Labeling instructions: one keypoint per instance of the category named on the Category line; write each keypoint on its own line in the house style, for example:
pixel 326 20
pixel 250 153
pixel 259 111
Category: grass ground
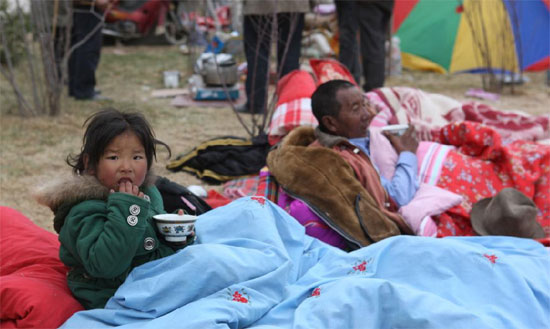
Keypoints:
pixel 33 150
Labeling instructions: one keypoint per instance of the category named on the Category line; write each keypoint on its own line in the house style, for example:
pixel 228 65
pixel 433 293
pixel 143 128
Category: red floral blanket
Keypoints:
pixel 482 165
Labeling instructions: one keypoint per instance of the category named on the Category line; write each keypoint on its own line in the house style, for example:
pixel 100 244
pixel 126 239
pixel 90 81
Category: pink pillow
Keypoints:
pixel 34 291
pixel 429 200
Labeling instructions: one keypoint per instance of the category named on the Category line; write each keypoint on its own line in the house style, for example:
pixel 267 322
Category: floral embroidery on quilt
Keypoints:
pixel 487 259
pixel 316 292
pixel 360 266
pixel 239 296
pixel 259 199
pixel 491 258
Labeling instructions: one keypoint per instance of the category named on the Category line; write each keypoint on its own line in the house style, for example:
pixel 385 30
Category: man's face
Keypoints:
pixel 355 114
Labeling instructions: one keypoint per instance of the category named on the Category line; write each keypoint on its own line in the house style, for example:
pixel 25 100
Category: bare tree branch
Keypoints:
pixel 30 57
pixel 294 17
pixel 47 82
pixel 24 107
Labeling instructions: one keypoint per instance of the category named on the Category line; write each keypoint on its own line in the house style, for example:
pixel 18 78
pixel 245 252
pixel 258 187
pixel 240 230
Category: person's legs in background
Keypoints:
pixel 287 22
pixel 256 33
pixel 374 18
pixel 85 58
pixel 347 27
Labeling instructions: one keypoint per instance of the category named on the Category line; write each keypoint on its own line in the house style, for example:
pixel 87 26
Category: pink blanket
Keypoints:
pixel 430 112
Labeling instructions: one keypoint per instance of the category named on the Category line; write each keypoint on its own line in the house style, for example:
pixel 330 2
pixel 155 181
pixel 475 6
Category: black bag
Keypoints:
pixel 224 158
pixel 176 196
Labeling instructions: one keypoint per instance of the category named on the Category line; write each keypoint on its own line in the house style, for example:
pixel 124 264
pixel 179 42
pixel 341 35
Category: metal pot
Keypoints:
pixel 225 73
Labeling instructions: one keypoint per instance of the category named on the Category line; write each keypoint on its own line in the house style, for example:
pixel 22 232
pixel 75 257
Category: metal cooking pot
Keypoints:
pixel 226 71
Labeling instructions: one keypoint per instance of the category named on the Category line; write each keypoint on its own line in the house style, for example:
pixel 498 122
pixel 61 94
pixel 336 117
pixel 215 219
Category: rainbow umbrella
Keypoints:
pixel 474 35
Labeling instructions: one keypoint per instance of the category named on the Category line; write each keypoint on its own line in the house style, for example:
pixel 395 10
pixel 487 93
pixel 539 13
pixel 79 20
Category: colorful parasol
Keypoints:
pixel 474 35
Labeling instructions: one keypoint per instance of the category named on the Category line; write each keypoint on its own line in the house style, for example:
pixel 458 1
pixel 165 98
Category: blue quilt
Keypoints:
pixel 253 266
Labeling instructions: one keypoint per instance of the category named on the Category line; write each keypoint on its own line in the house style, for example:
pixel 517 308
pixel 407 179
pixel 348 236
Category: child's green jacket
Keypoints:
pixel 104 236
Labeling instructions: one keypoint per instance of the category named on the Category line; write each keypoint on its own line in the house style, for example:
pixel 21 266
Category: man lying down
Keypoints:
pixel 345 186
pixel 332 186
pixel 252 265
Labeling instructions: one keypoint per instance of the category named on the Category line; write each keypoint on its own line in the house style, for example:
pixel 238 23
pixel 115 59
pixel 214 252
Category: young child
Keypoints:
pixel 104 212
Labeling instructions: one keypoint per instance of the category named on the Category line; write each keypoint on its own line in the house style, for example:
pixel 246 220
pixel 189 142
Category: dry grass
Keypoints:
pixel 33 150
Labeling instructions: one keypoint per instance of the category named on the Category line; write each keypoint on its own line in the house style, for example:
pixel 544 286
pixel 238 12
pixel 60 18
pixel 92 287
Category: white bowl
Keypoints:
pixel 174 227
pixel 397 130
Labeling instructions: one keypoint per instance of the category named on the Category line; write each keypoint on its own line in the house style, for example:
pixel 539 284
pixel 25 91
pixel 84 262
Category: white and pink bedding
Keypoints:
pixel 429 112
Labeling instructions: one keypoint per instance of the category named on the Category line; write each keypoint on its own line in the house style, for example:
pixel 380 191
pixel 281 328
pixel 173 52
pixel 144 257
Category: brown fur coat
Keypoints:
pixel 320 177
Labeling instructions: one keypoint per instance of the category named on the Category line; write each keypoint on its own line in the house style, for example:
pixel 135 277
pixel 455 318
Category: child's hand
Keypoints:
pixel 129 188
pixel 180 212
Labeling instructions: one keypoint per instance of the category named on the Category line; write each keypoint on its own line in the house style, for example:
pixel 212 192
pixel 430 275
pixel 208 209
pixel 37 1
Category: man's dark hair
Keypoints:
pixel 324 102
pixel 102 127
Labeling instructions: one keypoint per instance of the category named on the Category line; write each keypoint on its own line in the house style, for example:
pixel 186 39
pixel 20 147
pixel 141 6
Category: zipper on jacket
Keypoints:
pixel 325 219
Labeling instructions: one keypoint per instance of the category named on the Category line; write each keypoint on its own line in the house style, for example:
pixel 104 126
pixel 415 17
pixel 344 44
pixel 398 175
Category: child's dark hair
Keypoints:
pixel 103 127
pixel 324 102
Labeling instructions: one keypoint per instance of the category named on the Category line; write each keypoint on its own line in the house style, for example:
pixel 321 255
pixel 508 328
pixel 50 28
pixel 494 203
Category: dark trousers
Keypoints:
pixel 85 58
pixel 257 46
pixel 371 19
pixel 59 47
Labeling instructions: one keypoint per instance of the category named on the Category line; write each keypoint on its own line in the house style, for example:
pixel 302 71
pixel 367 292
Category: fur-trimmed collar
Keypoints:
pixel 75 188
pixel 329 140
pixel 304 136
pixel 63 193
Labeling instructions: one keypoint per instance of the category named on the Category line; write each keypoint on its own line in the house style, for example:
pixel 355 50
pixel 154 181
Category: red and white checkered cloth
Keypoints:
pixel 260 185
pixel 288 116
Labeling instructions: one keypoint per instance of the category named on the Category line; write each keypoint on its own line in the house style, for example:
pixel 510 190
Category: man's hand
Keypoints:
pixel 406 142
